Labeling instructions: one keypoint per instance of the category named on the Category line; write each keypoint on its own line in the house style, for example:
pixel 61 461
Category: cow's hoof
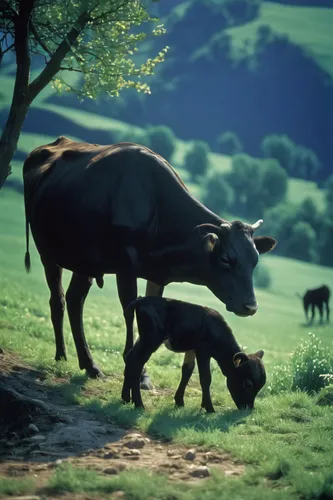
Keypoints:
pixel 61 356
pixel 145 383
pixel 94 372
pixel 179 403
pixel 139 406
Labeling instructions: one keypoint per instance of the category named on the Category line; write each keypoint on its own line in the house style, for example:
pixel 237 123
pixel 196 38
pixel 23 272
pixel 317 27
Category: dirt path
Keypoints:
pixel 34 438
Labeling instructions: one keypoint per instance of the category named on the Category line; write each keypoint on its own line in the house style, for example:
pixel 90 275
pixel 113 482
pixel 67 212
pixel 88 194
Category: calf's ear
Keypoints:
pixel 259 354
pixel 264 244
pixel 239 358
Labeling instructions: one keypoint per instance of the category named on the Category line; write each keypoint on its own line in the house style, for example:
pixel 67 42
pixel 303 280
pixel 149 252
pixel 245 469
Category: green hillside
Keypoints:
pixel 308 27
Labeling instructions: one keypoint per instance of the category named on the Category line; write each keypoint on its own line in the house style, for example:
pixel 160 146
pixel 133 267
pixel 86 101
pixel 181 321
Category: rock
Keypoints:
pixel 190 455
pixel 201 471
pixel 58 462
pixel 33 428
pixel 135 443
pixel 26 497
pixel 132 453
pixel 133 435
pixel 109 454
pixel 115 469
pixel 110 470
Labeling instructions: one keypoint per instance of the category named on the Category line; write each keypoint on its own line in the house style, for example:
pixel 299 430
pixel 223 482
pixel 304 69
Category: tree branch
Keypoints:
pixel 54 63
pixel 39 40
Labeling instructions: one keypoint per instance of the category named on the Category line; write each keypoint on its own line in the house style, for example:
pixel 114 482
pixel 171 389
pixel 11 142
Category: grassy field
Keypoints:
pixel 285 444
pixel 308 27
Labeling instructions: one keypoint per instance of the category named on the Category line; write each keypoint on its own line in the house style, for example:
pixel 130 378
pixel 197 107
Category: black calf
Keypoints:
pixel 202 333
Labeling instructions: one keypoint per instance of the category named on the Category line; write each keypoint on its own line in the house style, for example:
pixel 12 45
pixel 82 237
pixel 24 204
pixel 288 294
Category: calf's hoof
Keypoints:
pixel 145 383
pixel 94 372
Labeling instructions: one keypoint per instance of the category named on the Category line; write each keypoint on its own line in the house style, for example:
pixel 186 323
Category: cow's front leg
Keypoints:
pixel 75 296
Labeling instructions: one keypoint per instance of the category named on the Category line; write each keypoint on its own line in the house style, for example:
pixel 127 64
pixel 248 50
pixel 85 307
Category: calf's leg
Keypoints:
pixel 53 274
pixel 135 360
pixel 203 360
pixel 75 297
pixel 187 370
pixel 312 314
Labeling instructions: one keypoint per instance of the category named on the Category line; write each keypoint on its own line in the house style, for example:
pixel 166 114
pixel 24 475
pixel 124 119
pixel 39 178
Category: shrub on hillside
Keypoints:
pixel 196 160
pixel 162 141
pixel 219 195
pixel 274 182
pixel 280 147
pixel 302 242
pixel 132 135
pixel 229 143
pixel 304 372
pixel 305 163
pixel 262 277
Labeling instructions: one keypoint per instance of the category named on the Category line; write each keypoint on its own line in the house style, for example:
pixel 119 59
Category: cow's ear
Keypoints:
pixel 259 354
pixel 210 241
pixel 239 358
pixel 208 235
pixel 264 244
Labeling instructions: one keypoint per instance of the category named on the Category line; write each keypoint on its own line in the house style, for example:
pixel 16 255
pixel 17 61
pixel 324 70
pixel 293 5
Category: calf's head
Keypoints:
pixel 246 379
pixel 226 260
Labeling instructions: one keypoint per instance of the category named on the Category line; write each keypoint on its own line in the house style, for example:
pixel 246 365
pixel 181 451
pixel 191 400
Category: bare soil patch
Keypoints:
pixel 41 432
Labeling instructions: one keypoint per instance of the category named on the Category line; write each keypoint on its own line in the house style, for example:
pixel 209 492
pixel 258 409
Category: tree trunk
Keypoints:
pixel 20 102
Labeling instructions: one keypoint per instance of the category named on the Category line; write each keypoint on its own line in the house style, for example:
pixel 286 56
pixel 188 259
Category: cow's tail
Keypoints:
pixel 27 260
pixel 132 306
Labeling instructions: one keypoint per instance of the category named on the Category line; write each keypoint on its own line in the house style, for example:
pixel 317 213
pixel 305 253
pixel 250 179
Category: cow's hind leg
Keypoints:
pixel 327 311
pixel 75 297
pixel 187 370
pixel 53 274
pixel 320 308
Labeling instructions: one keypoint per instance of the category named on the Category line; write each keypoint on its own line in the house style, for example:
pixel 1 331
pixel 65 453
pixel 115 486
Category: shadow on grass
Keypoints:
pixel 315 324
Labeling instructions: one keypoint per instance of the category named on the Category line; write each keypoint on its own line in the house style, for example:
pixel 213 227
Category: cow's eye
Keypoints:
pixel 248 384
pixel 224 262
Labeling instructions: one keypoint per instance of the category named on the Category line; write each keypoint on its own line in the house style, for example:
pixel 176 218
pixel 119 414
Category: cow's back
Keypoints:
pixel 87 198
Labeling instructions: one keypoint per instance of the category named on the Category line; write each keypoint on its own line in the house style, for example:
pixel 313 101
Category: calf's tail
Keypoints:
pixel 132 306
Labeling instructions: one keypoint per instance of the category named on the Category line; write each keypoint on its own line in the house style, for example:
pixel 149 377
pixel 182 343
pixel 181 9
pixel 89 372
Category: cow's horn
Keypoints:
pixel 225 224
pixel 257 224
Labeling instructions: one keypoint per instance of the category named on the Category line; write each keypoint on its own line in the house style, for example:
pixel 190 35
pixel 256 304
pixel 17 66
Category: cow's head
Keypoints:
pixel 246 379
pixel 226 258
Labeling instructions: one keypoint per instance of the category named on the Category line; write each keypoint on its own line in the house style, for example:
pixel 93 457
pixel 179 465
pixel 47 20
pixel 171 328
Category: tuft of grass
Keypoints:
pixel 17 487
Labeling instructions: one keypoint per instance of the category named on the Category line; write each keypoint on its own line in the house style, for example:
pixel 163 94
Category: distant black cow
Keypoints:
pixel 202 333
pixel 317 297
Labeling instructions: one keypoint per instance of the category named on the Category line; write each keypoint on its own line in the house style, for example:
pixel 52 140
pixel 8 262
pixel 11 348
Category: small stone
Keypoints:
pixel 190 455
pixel 132 453
pixel 201 471
pixel 110 470
pixel 110 454
pixel 176 457
pixel 33 428
pixel 135 443
pixel 59 461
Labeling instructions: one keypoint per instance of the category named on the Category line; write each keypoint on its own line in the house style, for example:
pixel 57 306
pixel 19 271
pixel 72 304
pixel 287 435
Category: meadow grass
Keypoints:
pixel 308 27
pixel 285 442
